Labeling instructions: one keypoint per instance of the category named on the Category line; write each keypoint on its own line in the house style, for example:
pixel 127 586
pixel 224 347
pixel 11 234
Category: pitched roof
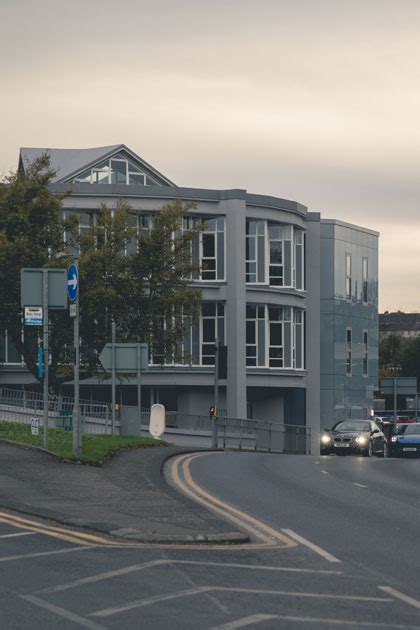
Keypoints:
pixel 69 162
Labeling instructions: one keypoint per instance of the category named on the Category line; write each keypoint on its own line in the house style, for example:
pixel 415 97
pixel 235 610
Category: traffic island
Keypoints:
pixel 126 497
pixel 95 448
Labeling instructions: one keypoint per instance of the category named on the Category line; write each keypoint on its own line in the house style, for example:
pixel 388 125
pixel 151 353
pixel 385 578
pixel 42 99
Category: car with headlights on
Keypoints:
pixel 361 437
pixel 406 441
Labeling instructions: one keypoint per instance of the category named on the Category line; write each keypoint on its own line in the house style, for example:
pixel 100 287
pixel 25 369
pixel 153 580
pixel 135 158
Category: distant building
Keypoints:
pixel 402 324
pixel 293 297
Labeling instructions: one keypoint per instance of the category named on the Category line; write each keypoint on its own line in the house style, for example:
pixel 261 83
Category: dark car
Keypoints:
pixel 362 437
pixel 406 441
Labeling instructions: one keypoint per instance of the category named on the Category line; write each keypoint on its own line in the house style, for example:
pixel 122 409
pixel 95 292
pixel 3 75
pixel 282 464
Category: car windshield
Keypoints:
pixel 352 426
pixel 409 429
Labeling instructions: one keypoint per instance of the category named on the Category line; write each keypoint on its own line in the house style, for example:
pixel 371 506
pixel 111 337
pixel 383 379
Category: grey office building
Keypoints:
pixel 293 297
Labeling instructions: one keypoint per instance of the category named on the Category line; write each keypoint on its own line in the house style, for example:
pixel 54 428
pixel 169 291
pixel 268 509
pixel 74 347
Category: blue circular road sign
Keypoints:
pixel 72 282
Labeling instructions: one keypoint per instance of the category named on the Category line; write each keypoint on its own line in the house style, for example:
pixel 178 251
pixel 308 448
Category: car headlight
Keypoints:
pixel 394 438
pixel 325 439
pixel 361 439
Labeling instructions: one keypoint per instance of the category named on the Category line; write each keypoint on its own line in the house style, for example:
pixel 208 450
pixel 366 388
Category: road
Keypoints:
pixel 336 544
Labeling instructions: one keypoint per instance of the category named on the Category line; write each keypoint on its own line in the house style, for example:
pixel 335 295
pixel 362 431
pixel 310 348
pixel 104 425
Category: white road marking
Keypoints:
pixel 325 472
pixel 257 591
pixel 139 603
pixel 18 534
pixel 24 556
pixel 62 612
pixel 359 485
pixel 104 576
pixel 303 541
pixel 401 596
pixel 245 621
pixel 339 622
pixel 147 565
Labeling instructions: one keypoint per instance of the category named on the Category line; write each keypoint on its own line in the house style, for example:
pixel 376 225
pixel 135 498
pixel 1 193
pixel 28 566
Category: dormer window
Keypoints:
pixel 116 170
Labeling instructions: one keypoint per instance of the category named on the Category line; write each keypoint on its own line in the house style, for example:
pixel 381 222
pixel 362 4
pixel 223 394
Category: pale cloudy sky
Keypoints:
pixel 313 100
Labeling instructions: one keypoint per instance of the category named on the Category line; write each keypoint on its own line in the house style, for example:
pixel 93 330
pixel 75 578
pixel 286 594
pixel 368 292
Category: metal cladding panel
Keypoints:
pixel 31 288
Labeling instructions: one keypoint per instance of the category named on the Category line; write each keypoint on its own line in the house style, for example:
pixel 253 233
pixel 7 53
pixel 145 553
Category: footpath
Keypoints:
pixel 127 497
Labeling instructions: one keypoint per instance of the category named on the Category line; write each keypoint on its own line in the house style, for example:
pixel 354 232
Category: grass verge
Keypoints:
pixel 94 447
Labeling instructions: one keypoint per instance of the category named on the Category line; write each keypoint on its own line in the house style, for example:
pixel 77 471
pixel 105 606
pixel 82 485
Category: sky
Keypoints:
pixel 312 100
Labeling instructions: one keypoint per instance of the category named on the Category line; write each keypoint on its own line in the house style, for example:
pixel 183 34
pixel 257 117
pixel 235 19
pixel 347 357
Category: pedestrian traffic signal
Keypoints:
pixel 212 411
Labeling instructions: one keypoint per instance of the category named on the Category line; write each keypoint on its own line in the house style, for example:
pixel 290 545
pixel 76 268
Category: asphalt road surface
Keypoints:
pixel 351 561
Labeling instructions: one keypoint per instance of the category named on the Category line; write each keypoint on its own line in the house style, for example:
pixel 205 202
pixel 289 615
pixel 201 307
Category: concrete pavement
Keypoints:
pixel 127 497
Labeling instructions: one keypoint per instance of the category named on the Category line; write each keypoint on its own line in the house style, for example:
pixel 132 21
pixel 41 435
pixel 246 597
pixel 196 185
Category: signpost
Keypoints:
pixel 126 358
pixel 46 287
pixel 73 293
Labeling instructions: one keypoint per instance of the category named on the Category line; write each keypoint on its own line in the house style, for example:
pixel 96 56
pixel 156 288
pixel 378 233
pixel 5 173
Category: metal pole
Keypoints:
pixel 46 351
pixel 417 404
pixel 395 403
pixel 139 383
pixel 77 434
pixel 113 341
pixel 214 439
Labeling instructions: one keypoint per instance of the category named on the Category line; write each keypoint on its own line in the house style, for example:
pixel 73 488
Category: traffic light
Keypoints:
pixel 212 411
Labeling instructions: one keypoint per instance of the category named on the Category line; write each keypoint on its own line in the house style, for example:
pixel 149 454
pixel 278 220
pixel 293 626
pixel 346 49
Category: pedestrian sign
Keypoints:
pixel 35 426
pixel 72 282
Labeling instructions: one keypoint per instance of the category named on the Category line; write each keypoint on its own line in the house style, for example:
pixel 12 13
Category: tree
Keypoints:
pixel 147 293
pixel 390 351
pixel 30 236
pixel 410 359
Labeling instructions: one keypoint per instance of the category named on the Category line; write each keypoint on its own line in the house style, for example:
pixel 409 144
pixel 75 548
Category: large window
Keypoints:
pixel 8 351
pixel 116 170
pixel 208 248
pixel 280 270
pixel 299 280
pixel 274 336
pixel 255 251
pixel 275 254
pixel 255 335
pixel 365 275
pixel 198 345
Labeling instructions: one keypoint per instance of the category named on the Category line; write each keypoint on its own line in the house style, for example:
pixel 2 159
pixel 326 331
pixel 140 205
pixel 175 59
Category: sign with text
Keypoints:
pixel 35 426
pixel 33 316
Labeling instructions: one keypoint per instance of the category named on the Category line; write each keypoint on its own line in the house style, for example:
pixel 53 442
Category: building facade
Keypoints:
pixel 349 321
pixel 264 267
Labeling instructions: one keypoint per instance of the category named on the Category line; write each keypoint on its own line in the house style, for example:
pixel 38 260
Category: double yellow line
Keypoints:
pixel 266 535
pixel 79 538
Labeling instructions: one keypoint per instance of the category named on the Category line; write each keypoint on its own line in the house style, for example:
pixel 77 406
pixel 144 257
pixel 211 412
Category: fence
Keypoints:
pixel 232 433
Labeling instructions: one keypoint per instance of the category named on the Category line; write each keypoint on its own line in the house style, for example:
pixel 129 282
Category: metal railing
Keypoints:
pixel 232 433
pixel 60 404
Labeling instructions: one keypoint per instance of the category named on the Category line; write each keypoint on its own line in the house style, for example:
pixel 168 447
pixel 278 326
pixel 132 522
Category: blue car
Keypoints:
pixel 406 441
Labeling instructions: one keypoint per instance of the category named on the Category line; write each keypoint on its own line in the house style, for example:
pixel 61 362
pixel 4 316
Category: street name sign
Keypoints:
pixel 31 287
pixel 33 316
pixel 126 357
pixel 72 282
